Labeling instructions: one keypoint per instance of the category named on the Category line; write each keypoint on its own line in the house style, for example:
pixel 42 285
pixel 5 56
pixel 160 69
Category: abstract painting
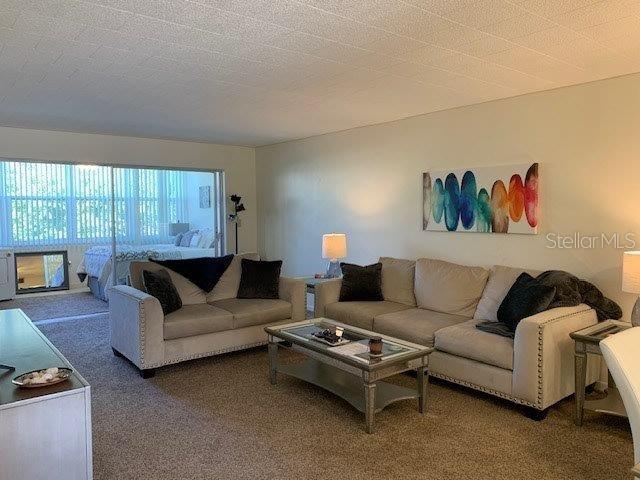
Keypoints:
pixel 502 199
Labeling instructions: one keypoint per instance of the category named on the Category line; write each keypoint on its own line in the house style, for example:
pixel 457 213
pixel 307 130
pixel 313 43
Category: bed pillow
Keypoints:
pixel 260 279
pixel 158 284
pixel 195 240
pixel 206 239
pixel 178 239
pixel 185 241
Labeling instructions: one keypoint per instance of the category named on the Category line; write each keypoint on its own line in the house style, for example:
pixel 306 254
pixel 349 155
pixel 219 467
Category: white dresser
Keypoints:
pixel 45 433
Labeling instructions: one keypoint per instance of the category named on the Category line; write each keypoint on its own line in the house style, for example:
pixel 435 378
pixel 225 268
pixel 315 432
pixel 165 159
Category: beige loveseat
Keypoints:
pixel 207 324
pixel 437 303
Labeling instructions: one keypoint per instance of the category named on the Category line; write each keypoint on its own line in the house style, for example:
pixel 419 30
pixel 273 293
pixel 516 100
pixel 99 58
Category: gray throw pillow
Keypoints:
pixel 159 284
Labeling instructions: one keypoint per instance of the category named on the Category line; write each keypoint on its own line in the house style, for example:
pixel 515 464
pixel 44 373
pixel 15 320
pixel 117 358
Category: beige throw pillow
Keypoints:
pixel 449 288
pixel 501 279
pixel 227 286
pixel 398 280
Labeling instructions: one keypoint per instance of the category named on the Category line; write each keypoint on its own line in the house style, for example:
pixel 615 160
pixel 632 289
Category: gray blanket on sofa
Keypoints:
pixel 572 291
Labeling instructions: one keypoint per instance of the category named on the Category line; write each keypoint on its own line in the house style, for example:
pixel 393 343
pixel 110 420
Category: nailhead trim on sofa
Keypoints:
pixel 481 388
pixel 538 403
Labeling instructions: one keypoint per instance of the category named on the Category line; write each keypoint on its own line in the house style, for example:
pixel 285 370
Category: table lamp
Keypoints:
pixel 631 281
pixel 177 228
pixel 334 247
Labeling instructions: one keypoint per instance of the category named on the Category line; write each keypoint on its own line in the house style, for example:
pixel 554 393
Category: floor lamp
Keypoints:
pixel 233 217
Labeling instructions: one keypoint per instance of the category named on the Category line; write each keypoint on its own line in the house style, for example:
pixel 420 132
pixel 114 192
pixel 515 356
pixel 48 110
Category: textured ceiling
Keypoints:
pixel 254 72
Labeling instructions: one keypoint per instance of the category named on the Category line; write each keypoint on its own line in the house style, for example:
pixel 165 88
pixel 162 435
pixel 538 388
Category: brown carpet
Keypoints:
pixel 219 418
pixel 57 306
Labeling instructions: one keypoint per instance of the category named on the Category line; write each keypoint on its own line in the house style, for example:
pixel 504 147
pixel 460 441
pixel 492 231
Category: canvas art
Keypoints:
pixel 501 199
pixel 205 197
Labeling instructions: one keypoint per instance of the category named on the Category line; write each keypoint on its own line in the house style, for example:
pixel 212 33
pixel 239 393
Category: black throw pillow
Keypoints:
pixel 526 297
pixel 204 272
pixel 158 284
pixel 260 279
pixel 361 283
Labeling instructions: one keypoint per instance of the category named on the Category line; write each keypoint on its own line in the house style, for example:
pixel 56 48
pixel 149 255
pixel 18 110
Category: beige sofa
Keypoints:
pixel 436 303
pixel 207 324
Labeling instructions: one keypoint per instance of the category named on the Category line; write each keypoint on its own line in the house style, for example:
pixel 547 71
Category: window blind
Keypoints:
pixel 55 204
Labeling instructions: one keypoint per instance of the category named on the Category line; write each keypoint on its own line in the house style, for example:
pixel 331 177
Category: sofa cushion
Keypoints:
pixel 361 314
pixel 398 280
pixel 501 279
pixel 199 319
pixel 449 288
pixel 465 340
pixel 227 286
pixel 415 324
pixel 189 293
pixel 255 311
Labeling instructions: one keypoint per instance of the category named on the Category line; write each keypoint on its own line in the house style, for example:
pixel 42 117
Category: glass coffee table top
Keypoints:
pixel 354 345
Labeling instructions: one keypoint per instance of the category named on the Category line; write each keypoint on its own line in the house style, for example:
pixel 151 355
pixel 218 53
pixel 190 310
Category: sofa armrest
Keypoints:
pixel 543 355
pixel 293 290
pixel 137 326
pixel 326 293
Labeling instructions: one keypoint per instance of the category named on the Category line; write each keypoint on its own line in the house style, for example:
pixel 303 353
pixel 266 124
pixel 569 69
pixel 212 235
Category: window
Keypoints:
pixel 53 204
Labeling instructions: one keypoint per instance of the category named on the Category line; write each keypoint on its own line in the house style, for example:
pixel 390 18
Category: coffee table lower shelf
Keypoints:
pixel 346 385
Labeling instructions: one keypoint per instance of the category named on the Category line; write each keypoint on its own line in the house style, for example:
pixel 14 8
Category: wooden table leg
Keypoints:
pixel 580 380
pixel 422 381
pixel 370 405
pixel 273 361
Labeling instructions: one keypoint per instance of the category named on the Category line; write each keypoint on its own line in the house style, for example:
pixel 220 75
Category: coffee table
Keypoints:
pixel 348 370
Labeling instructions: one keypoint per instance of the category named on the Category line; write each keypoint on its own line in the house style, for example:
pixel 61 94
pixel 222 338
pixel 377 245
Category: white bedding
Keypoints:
pixel 96 261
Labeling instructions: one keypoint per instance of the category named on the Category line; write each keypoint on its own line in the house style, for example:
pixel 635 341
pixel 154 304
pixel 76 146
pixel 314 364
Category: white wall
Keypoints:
pixel 237 162
pixel 367 182
pixel 197 217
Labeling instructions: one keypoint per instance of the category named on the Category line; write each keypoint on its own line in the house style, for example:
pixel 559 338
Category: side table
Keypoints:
pixel 587 341
pixel 311 285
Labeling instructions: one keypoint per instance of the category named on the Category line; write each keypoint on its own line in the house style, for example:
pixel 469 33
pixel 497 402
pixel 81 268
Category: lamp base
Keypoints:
pixel 635 314
pixel 333 269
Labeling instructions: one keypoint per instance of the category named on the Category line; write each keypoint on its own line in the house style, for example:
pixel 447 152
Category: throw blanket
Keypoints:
pixel 572 291
pixel 205 272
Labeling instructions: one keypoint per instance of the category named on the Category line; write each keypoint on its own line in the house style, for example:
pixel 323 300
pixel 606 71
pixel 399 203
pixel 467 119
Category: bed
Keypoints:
pixel 95 265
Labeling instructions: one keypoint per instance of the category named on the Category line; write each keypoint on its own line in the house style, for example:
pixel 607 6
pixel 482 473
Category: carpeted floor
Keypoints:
pixel 57 306
pixel 219 418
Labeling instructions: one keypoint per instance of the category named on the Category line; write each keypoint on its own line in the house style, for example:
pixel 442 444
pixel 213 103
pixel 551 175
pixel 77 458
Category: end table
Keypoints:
pixel 587 341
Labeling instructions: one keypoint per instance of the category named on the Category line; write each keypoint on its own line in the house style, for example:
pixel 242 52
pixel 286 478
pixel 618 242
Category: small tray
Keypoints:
pixel 62 376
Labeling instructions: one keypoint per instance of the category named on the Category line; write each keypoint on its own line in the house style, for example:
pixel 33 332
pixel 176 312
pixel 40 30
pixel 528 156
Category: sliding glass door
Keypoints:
pixel 166 214
pixel 104 217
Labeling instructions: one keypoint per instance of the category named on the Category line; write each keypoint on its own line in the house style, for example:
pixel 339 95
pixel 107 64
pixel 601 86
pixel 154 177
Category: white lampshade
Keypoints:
pixel 631 272
pixel 177 228
pixel 334 246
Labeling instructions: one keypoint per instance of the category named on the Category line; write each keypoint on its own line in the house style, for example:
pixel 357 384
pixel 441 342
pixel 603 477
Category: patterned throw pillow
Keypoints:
pixel 178 239
pixel 185 241
pixel 158 284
